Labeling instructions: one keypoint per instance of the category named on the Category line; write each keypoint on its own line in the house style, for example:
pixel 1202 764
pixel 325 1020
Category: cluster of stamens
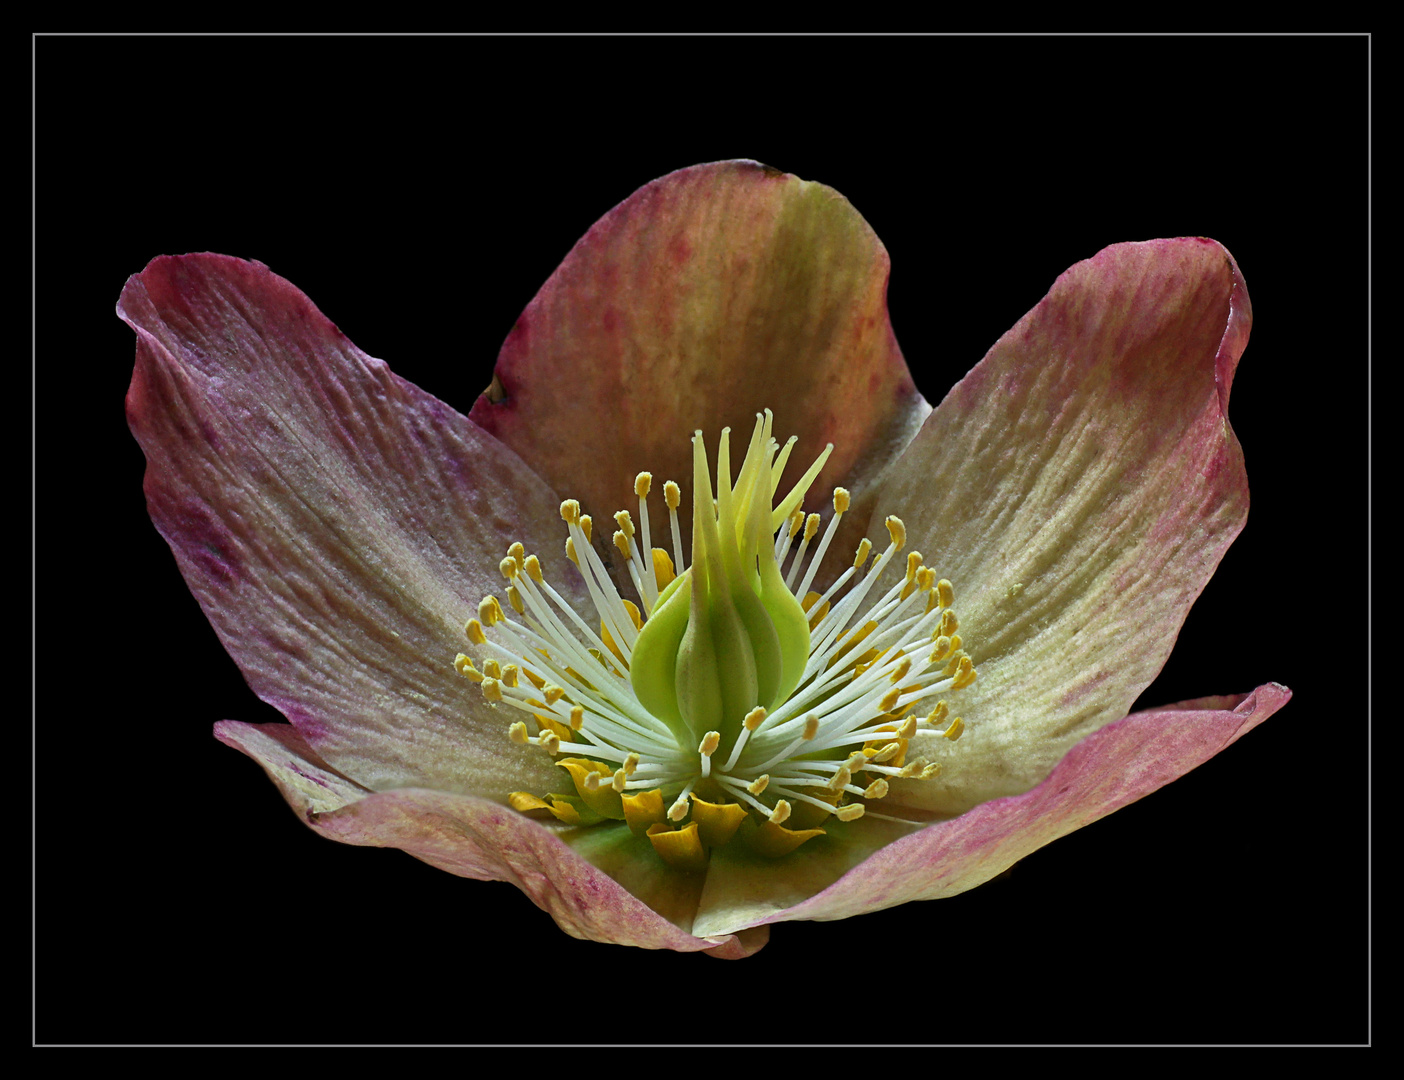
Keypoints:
pixel 812 699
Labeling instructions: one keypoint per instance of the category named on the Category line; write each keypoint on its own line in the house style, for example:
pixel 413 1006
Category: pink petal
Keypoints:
pixel 1079 486
pixel 1117 765
pixel 474 838
pixel 337 524
pixel 701 299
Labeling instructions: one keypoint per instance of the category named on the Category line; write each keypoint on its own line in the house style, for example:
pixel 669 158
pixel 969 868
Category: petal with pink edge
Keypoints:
pixel 1079 487
pixel 336 524
pixel 475 838
pixel 1109 769
pixel 707 295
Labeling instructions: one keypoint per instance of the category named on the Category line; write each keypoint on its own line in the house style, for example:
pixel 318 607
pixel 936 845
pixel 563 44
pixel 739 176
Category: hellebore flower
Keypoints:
pixel 744 715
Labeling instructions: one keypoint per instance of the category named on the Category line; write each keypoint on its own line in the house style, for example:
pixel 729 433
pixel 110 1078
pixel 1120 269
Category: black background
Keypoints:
pixel 420 191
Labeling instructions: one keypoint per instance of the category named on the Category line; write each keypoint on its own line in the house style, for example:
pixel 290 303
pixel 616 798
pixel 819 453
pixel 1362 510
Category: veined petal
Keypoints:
pixel 475 838
pixel 699 299
pixel 333 521
pixel 1080 485
pixel 1109 769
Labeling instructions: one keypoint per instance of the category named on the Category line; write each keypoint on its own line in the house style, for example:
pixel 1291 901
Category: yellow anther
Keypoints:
pixel 620 779
pixel 625 522
pixel 515 599
pixel 708 746
pixel 954 728
pixel 642 483
pixel 781 813
pixel 553 694
pixel 941 650
pixel 577 717
pixel 811 726
pixel 489 611
pixel 887 753
pixel 509 675
pixel 630 764
pixel 508 566
pixel 912 768
pixel 570 550
pixel 492 669
pixel 756 786
pixel 492 690
pixel 841 500
pixel 861 555
pixel 587 524
pixel 533 569
pixel 931 770
pixel 551 741
pixel 856 761
pixel 672 495
pixel 913 565
pixel 621 542
pixel 939 713
pixel 900 671
pixel 518 733
pixel 474 630
pixel 965 675
pixel 851 812
pixel 925 578
pixel 840 779
pixel 811 526
pixel 464 667
pixel 876 790
pixel 889 699
pixel 796 521
pixel 897 531
pixel 754 718
pixel 949 622
pixel 570 511
pixel 946 592
pixel 678 810
pixel 518 553
pixel 908 728
pixel 592 781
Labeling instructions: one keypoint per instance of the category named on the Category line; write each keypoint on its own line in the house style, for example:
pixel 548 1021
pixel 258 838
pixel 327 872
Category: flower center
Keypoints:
pixel 739 703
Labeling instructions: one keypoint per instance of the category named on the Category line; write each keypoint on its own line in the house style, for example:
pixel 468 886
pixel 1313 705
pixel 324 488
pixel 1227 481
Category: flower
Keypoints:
pixel 1074 493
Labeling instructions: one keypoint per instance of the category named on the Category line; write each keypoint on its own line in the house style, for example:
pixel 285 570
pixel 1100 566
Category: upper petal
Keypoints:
pixel 1079 486
pixel 701 299
pixel 336 523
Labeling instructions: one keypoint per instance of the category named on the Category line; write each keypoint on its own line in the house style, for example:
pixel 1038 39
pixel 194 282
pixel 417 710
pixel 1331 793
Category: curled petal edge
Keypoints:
pixel 1109 769
pixel 473 838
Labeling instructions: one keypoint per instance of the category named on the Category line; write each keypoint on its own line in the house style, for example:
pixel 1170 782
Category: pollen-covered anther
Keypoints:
pixel 570 511
pixel 552 693
pixel 514 597
pixel 756 786
pixel 861 555
pixel 840 779
pixel 586 526
pixel 517 553
pixel 841 500
pixel 888 752
pixel 518 733
pixel 709 743
pixel 876 790
pixel 577 717
pixel 851 812
pixel 811 727
pixel 889 700
pixel 781 813
pixel 946 592
pixel 625 523
pixel 678 810
pixel 908 728
pixel 811 526
pixel 630 764
pixel 620 779
pixel 492 690
pixel 508 568
pixel 900 671
pixel 897 531
pixel 954 728
pixel 941 650
pixel 492 669
pixel 932 770
pixel 533 569
pixel 622 543
pixel 509 675
pixel 642 483
pixel 550 741
pixel 474 630
pixel 464 666
pixel 754 718
pixel 592 781
pixel 965 674
pixel 489 611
